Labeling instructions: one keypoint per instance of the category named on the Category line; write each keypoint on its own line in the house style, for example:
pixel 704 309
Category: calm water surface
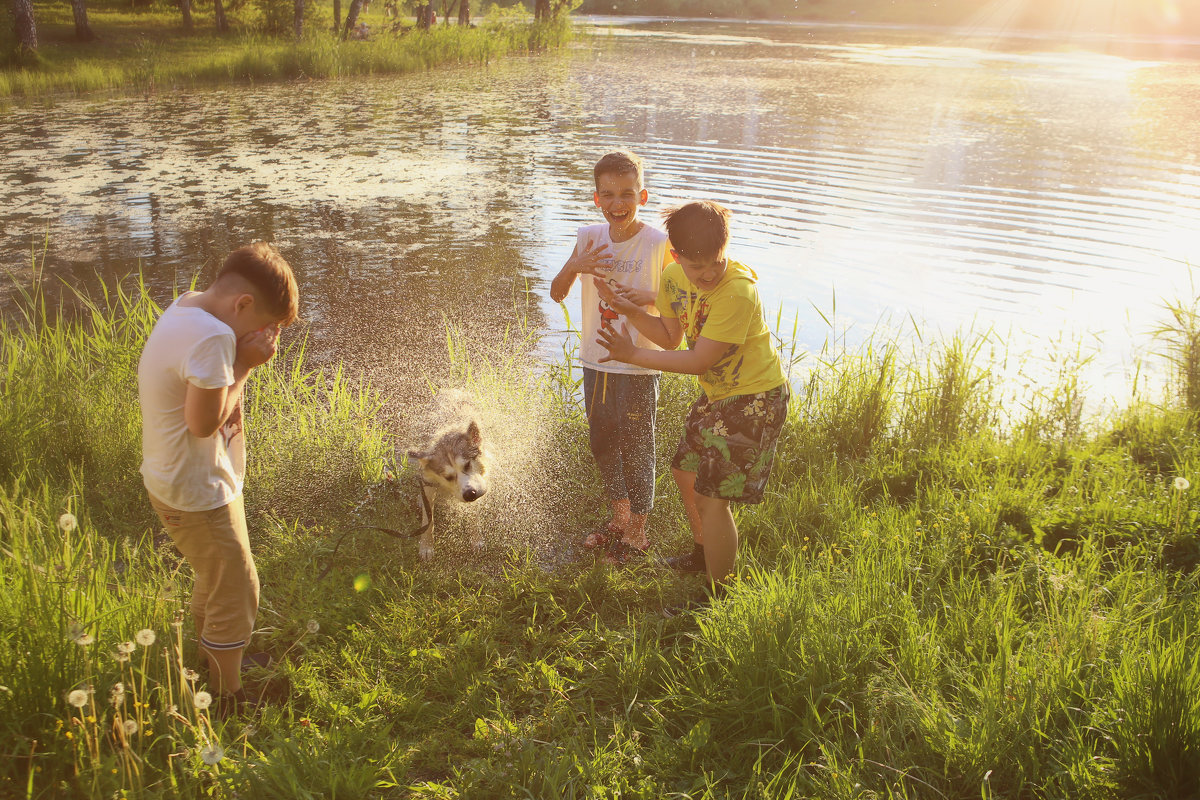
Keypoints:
pixel 880 177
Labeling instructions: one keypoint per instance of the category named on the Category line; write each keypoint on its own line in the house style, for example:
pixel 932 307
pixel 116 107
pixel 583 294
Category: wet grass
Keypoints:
pixel 939 598
pixel 148 51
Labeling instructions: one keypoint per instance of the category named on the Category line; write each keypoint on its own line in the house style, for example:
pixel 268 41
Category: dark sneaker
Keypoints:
pixel 239 703
pixel 688 562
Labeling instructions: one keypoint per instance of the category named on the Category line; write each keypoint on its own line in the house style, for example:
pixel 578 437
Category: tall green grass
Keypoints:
pixel 939 597
pixel 147 52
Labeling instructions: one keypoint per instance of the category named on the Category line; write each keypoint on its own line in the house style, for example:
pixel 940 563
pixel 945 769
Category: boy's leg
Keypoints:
pixel 601 403
pixel 640 401
pixel 720 537
pixel 686 481
pixel 217 546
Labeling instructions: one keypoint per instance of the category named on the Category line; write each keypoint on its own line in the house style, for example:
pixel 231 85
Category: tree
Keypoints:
pixel 83 31
pixel 219 13
pixel 351 17
pixel 464 12
pixel 185 8
pixel 24 27
pixel 299 19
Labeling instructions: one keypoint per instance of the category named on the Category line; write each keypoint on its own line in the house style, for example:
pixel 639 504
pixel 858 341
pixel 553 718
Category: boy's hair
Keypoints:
pixel 698 230
pixel 271 277
pixel 618 162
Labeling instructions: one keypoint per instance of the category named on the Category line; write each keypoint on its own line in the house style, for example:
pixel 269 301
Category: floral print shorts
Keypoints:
pixel 730 443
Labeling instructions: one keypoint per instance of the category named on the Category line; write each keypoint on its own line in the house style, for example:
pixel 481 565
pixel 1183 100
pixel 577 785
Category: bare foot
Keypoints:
pixel 635 532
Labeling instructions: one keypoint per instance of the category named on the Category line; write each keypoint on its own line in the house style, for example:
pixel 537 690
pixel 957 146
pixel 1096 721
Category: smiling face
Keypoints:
pixel 704 273
pixel 618 196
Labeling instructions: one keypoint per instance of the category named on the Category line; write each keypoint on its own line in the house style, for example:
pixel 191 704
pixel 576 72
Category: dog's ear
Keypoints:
pixel 418 455
pixel 473 433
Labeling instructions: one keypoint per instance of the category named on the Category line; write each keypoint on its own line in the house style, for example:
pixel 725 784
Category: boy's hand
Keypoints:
pixel 619 344
pixel 595 259
pixel 622 299
pixel 257 347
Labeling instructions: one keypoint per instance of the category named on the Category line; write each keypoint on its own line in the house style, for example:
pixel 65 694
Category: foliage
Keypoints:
pixel 947 606
pixel 149 51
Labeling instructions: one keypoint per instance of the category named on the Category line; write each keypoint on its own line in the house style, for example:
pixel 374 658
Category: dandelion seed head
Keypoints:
pixel 145 637
pixel 202 700
pixel 190 675
pixel 121 656
pixel 77 698
pixel 130 727
pixel 313 626
pixel 126 647
pixel 67 522
pixel 211 753
pixel 1182 484
pixel 117 694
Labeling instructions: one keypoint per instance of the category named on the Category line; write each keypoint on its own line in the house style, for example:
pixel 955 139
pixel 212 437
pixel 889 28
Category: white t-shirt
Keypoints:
pixel 637 263
pixel 188 345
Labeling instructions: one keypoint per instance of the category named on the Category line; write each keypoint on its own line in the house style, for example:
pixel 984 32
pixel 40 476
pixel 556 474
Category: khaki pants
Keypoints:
pixel 217 545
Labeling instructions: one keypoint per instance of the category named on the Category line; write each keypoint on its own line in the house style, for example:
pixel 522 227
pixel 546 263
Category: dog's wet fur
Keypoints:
pixel 452 464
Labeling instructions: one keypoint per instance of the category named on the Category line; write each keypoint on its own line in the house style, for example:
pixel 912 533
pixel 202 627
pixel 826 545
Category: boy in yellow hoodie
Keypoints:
pixel 731 430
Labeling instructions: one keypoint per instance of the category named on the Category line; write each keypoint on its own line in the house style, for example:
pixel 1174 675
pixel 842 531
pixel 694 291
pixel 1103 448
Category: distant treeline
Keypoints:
pixel 1101 16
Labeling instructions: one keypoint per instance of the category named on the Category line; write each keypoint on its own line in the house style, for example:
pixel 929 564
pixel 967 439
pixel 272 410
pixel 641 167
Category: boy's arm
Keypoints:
pixel 593 260
pixel 665 332
pixel 206 410
pixel 694 361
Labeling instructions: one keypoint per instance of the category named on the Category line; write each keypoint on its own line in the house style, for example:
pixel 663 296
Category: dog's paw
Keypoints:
pixel 425 551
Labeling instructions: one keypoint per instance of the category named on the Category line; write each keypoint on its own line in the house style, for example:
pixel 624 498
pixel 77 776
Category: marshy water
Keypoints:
pixel 883 178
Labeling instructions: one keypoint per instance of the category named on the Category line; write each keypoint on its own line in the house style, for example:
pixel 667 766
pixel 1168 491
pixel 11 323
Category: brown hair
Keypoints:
pixel 698 230
pixel 271 277
pixel 618 162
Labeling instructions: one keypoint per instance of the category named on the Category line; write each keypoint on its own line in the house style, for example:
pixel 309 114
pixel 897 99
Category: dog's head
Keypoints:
pixel 454 462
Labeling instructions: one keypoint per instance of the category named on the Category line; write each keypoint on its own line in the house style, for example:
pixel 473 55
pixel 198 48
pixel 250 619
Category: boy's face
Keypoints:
pixel 704 273
pixel 618 196
pixel 251 316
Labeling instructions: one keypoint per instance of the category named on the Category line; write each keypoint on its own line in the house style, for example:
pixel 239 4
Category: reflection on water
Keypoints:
pixel 910 174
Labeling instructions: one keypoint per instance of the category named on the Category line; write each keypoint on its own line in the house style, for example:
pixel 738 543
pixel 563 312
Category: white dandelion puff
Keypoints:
pixel 211 753
pixel 85 639
pixel 202 700
pixel 130 727
pixel 126 647
pixel 77 698
pixel 190 675
pixel 145 637
pixel 67 522
pixel 1182 484
pixel 313 626
pixel 121 656
pixel 116 694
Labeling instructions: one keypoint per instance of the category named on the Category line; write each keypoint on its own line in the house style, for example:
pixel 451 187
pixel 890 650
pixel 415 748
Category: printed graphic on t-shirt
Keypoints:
pixel 729 366
pixel 232 427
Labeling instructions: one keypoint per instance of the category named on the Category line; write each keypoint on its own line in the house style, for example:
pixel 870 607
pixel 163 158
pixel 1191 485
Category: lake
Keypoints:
pixel 896 181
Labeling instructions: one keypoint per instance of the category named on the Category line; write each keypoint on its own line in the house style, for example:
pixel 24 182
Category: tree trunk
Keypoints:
pixel 219 13
pixel 299 21
pixel 337 15
pixel 464 12
pixel 541 10
pixel 24 26
pixel 351 17
pixel 185 8
pixel 83 31
pixel 425 16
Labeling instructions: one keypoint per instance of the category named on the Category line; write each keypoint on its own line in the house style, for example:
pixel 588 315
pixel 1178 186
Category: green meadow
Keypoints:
pixel 940 598
pixel 146 49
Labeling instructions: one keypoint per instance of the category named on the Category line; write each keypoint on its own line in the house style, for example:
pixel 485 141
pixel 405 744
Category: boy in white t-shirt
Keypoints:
pixel 621 400
pixel 190 379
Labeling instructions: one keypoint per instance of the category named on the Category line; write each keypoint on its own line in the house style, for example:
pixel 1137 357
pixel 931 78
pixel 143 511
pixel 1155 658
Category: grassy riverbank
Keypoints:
pixel 149 51
pixel 928 606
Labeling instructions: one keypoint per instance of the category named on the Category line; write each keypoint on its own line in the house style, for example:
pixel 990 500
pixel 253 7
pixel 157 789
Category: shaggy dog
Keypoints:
pixel 453 464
